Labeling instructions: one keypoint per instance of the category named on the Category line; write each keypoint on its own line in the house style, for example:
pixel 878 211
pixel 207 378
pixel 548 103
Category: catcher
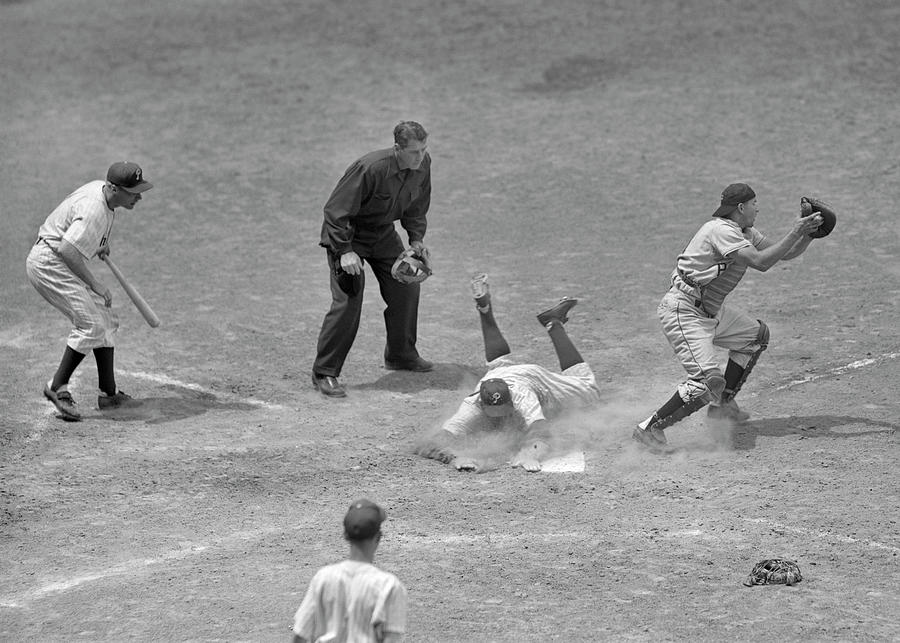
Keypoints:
pixel 512 397
pixel 696 320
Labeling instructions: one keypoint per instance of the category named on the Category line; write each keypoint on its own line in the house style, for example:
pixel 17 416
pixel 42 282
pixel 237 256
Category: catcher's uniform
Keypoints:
pixel 694 317
pixel 351 601
pixel 537 394
pixel 85 221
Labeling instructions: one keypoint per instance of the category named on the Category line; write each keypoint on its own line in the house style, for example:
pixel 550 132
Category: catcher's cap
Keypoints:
pixel 732 196
pixel 128 176
pixel 363 520
pixel 496 400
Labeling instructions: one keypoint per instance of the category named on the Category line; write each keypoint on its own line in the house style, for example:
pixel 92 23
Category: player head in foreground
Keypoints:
pixel 353 600
pixel 696 320
pixel 513 397
pixel 74 234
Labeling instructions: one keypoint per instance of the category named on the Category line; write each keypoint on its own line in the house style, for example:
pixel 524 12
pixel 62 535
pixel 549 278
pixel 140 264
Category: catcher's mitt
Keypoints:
pixel 774 571
pixel 812 205
pixel 410 268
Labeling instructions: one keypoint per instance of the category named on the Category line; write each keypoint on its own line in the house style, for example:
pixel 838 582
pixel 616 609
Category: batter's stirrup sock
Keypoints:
pixel 495 344
pixel 70 361
pixel 106 374
pixel 566 352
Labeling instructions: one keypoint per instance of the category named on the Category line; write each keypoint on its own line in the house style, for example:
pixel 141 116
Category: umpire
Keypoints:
pixel 376 190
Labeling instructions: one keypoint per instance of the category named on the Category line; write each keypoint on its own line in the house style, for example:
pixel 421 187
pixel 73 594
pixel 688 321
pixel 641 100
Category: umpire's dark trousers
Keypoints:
pixel 342 321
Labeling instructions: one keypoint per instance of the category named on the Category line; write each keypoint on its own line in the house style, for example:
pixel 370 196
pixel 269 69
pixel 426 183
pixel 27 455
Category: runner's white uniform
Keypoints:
pixel 351 601
pixel 537 394
pixel 85 221
pixel 693 314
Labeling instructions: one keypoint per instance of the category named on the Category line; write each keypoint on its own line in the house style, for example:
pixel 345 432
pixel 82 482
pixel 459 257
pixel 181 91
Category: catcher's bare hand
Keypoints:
pixel 807 225
pixel 351 263
pixel 465 464
pixel 812 206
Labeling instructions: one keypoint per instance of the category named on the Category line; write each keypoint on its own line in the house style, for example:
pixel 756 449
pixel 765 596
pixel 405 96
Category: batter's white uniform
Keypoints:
pixel 351 601
pixel 694 317
pixel 537 394
pixel 85 221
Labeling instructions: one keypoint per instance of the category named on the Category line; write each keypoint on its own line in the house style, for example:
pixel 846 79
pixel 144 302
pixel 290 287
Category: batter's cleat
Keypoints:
pixel 63 402
pixel 558 313
pixel 116 401
pixel 481 292
pixel 417 365
pixel 328 385
pixel 728 410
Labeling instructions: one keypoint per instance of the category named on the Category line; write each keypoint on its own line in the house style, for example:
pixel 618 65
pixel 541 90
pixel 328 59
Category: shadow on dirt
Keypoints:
pixel 449 377
pixel 812 426
pixel 157 410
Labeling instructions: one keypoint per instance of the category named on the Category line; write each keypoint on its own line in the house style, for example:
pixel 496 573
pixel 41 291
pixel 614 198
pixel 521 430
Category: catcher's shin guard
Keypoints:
pixel 688 408
pixel 734 372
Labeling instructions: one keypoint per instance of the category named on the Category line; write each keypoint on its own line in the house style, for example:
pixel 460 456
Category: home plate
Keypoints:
pixel 573 461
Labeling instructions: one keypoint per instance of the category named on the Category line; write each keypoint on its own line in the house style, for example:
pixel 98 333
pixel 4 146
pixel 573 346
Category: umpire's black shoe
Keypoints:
pixel 417 365
pixel 559 312
pixel 328 385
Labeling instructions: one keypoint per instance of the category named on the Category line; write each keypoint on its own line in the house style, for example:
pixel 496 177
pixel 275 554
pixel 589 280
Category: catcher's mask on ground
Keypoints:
pixel 495 398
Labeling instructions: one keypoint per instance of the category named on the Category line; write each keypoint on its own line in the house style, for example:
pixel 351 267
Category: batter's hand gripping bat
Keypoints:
pixel 135 296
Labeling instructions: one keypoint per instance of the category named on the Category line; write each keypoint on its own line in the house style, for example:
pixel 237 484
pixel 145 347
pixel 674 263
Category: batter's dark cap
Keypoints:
pixel 732 196
pixel 495 397
pixel 363 520
pixel 128 176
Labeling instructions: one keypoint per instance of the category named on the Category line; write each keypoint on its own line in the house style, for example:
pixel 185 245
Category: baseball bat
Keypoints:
pixel 135 296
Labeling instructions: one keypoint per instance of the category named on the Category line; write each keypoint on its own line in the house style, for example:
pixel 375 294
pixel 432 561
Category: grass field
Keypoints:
pixel 576 147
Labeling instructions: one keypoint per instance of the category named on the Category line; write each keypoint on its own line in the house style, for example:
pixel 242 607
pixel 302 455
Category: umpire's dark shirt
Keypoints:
pixel 373 193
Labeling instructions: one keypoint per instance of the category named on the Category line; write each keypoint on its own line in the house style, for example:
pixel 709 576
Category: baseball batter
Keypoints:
pixel 696 320
pixel 353 601
pixel 513 397
pixel 75 233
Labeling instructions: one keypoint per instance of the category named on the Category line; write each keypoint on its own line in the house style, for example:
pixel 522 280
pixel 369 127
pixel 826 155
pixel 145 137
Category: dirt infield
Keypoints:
pixel 576 147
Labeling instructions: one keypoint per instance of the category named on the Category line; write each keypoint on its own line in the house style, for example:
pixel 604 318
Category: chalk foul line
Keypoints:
pixel 841 370
pixel 170 381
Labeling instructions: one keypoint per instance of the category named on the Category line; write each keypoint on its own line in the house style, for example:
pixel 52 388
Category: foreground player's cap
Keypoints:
pixel 496 400
pixel 732 196
pixel 363 520
pixel 128 176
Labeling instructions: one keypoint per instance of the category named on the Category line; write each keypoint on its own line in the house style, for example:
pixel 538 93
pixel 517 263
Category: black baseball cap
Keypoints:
pixel 496 399
pixel 128 176
pixel 363 520
pixel 732 196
